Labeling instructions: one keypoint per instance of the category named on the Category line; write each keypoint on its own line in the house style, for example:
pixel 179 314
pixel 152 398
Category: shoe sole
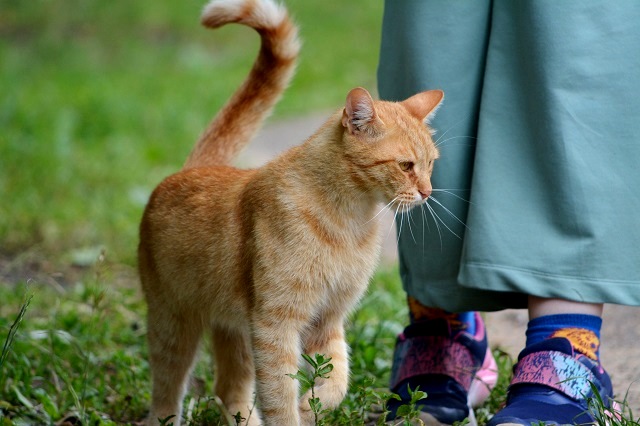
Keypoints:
pixel 428 420
pixel 614 414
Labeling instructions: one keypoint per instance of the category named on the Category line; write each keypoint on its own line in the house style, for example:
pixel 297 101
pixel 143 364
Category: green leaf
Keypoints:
pixel 302 378
pixel 165 421
pixel 315 404
pixel 324 370
pixel 23 399
pixel 417 395
pixel 310 361
pixel 403 410
pixel 47 403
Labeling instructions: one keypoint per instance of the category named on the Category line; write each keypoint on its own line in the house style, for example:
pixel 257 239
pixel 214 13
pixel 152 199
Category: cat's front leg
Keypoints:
pixel 276 347
pixel 327 338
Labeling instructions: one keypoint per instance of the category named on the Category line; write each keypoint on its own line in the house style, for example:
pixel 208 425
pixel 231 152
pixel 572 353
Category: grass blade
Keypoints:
pixel 8 342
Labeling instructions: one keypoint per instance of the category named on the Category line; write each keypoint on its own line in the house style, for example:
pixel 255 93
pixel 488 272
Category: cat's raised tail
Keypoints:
pixel 238 121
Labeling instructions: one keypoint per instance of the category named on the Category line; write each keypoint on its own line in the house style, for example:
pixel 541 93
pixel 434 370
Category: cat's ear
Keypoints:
pixel 359 114
pixel 424 105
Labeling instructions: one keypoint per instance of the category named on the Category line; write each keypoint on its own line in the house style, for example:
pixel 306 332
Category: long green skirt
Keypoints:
pixel 538 184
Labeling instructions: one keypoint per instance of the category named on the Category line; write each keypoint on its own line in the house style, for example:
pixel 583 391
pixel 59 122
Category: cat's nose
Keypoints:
pixel 424 193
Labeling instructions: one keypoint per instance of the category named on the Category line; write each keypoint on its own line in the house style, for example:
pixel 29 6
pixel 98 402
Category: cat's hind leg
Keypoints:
pixel 235 373
pixel 173 342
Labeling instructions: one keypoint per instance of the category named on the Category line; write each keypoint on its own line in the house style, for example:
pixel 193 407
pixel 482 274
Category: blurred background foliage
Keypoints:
pixel 101 100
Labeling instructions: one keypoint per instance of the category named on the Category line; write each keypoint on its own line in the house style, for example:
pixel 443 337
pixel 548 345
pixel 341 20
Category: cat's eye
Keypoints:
pixel 406 166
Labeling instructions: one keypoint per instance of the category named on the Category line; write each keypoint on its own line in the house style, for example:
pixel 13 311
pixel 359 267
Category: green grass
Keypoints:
pixel 79 352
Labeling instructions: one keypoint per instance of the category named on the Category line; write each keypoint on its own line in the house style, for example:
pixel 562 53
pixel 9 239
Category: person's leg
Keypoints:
pixel 555 372
pixel 539 306
pixel 439 44
pixel 552 202
pixel 555 166
pixel 578 322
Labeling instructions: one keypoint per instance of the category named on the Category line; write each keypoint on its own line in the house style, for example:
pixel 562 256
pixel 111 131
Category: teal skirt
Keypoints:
pixel 538 184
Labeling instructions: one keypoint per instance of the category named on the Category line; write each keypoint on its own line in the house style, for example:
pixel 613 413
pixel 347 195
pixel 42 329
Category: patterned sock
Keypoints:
pixel 583 331
pixel 457 321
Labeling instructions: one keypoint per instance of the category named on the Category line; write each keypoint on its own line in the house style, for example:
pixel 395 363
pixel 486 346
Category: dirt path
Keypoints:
pixel 620 350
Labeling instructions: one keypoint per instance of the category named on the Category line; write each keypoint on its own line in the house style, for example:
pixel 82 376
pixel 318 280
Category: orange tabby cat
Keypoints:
pixel 270 261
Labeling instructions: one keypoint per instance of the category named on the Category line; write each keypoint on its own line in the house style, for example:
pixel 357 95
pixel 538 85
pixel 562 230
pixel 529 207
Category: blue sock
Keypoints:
pixel 583 331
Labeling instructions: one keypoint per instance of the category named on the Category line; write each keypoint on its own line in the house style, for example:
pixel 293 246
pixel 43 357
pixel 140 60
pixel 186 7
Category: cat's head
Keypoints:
pixel 389 145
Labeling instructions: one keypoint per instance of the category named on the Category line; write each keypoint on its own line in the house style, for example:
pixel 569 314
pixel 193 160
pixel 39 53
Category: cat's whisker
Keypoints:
pixel 409 217
pixel 450 127
pixel 442 221
pixel 424 221
pixel 401 222
pixel 439 142
pixel 449 211
pixel 412 218
pixel 449 191
pixel 395 216
pixel 381 210
pixel 391 228
pixel 430 209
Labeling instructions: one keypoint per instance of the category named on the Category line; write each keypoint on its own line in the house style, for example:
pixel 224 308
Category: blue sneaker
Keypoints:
pixel 552 385
pixel 457 372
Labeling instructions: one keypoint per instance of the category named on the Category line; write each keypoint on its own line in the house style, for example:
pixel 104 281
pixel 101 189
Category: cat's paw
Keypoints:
pixel 329 394
pixel 307 418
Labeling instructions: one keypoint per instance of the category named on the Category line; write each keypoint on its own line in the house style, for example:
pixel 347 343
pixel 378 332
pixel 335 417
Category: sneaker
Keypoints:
pixel 457 372
pixel 552 385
